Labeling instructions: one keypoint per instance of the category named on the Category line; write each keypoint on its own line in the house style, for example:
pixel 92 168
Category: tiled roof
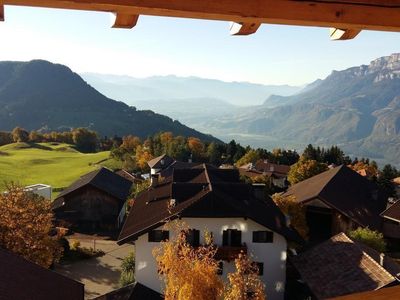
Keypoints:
pixel 268 167
pixel 393 211
pixel 21 279
pixel 345 191
pixel 103 179
pixel 340 266
pixel 202 192
pixel 390 293
pixel 135 291
pixel 160 162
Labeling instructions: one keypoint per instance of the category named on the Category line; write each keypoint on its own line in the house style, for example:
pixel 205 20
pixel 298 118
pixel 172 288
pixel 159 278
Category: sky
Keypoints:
pixel 275 54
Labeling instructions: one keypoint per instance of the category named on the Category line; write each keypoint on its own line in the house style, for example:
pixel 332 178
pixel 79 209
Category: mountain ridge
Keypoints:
pixel 42 95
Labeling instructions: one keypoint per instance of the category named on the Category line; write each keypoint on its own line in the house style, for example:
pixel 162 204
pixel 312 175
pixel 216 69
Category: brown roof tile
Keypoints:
pixel 345 191
pixel 21 279
pixel 340 266
pixel 393 211
pixel 390 293
pixel 206 192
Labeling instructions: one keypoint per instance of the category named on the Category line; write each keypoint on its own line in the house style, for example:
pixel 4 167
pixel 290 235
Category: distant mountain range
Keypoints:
pixel 357 109
pixel 41 95
pixel 164 88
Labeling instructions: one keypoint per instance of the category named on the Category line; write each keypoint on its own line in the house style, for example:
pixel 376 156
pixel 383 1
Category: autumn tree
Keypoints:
pixel 244 283
pixel 25 224
pixel 305 169
pixel 191 272
pixel 142 156
pixel 20 135
pixel 35 137
pixel 188 273
pixel 130 143
pixel 295 211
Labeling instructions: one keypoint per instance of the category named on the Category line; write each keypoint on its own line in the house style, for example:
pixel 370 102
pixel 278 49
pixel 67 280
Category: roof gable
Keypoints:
pixel 392 212
pixel 340 266
pixel 345 191
pixel 211 193
pixel 104 180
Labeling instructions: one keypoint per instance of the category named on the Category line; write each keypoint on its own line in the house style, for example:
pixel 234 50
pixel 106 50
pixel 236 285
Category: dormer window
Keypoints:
pixel 232 237
pixel 158 235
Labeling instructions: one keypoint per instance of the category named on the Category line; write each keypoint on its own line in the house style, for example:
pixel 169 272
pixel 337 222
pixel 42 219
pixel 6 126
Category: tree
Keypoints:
pixel 188 273
pixel 244 283
pixel 191 273
pixel 295 211
pixel 128 270
pixel 142 156
pixel 25 224
pixel 130 143
pixel 35 137
pixel 85 140
pixel 20 135
pixel 251 156
pixel 5 138
pixel 196 146
pixel 304 169
pixel 371 238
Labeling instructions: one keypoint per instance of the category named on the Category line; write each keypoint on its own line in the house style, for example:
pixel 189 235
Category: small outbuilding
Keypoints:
pixel 96 201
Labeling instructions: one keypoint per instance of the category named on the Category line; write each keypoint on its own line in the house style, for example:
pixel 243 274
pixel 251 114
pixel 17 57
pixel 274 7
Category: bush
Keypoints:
pixel 371 238
pixel 74 244
pixel 128 270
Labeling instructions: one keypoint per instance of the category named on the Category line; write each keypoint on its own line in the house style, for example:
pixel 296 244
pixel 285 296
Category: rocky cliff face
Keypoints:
pixel 357 108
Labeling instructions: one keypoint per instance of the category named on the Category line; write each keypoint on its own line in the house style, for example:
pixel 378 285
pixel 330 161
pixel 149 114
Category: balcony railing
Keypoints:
pixel 229 253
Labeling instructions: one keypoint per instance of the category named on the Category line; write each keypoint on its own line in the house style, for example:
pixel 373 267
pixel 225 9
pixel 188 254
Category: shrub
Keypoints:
pixel 74 244
pixel 128 270
pixel 371 238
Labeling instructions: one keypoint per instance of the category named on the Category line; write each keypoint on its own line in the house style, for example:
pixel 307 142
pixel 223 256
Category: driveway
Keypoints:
pixel 99 275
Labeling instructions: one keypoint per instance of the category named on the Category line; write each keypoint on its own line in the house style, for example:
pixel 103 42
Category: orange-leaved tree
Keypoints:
pixel 191 272
pixel 244 283
pixel 188 273
pixel 25 224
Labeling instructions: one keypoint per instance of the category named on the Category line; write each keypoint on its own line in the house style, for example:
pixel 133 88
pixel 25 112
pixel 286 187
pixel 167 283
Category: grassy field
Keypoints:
pixel 50 163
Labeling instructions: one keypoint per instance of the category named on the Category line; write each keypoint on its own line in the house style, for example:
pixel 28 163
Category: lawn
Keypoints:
pixel 50 163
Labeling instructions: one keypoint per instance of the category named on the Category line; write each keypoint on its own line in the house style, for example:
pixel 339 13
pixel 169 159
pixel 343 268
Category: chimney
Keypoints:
pixel 154 179
pixel 381 259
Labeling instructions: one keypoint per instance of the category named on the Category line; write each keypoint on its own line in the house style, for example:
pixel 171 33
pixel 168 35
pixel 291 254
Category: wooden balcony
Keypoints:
pixel 229 253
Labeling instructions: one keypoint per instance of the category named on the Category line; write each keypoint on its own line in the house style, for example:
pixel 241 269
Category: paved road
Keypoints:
pixel 99 275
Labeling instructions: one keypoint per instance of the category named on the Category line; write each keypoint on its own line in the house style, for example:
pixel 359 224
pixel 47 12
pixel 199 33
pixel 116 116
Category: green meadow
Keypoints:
pixel 55 164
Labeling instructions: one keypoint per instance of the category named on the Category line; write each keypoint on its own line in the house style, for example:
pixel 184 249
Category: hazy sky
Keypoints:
pixel 159 46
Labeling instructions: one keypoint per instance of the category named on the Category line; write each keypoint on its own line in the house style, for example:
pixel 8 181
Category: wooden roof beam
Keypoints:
pixel 1 12
pixel 361 14
pixel 125 21
pixel 243 28
pixel 343 34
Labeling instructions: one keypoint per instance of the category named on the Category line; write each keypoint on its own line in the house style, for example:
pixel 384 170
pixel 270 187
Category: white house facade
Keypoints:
pixel 269 254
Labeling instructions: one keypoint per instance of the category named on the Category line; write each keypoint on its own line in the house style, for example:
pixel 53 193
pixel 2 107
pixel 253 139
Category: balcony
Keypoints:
pixel 229 253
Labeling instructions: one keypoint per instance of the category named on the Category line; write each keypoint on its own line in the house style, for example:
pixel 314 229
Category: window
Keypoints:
pixel 232 237
pixel 220 269
pixel 193 237
pixel 260 267
pixel 158 235
pixel 263 237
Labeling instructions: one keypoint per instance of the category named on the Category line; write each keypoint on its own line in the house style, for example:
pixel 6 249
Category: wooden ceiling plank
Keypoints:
pixel 343 34
pixel 362 14
pixel 243 28
pixel 125 21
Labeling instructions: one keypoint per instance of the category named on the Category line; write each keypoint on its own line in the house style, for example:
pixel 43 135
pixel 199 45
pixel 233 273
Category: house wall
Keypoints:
pixel 93 207
pixel 273 255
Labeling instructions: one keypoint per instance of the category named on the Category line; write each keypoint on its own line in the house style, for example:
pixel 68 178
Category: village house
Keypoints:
pixel 390 293
pixel 134 291
pixel 135 179
pixel 40 189
pixel 277 174
pixel 21 279
pixel 341 266
pixel 96 201
pixel 339 200
pixel 212 199
pixel 391 222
